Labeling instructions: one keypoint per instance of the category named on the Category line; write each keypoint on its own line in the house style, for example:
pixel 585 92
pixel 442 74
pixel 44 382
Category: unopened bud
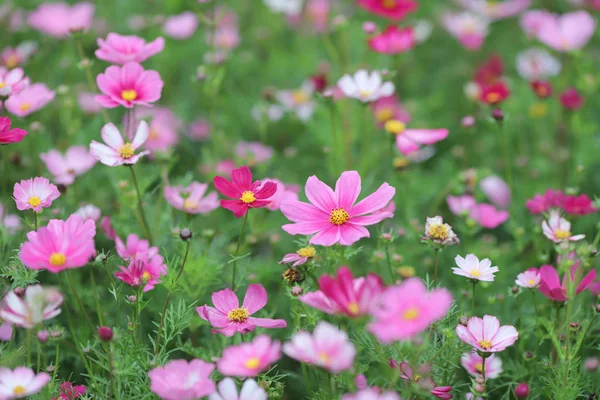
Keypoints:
pixel 105 333
pixel 361 382
pixel 43 336
pixel 296 291
pixel 55 334
pixel 185 234
pixel 574 326
pixel 591 364
pixel 50 368
pixel 132 298
pixel 522 390
pixel 19 291
pixel 468 121
pixel 369 27
pixel 497 114
pixel 529 355
pixel 464 320
pixel 514 289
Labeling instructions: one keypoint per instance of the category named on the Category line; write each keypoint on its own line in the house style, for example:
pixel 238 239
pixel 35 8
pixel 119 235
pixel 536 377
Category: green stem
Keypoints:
pixel 56 361
pixel 389 262
pixel 85 64
pixel 483 368
pixel 39 353
pixel 98 309
pixel 35 220
pixel 435 268
pixel 473 299
pixel 237 250
pixel 111 370
pixel 507 159
pixel 29 334
pixel 535 308
pixel 141 206
pixel 78 299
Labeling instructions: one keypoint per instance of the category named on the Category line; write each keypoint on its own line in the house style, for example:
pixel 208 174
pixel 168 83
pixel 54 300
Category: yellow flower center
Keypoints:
pixel 400 162
pixel 388 4
pixel 11 61
pixel 146 276
pixel 154 134
pixel 353 308
pixel 395 127
pixel 365 93
pixel 531 282
pixel 384 114
pixel 252 363
pixel 475 272
pixel 308 252
pixel 485 344
pixel 538 110
pixel 438 232
pixel 492 97
pixel 35 201
pixel 2 84
pixel 238 315
pixel 299 97
pixel 411 314
pixel 479 367
pixel 19 390
pixel 406 272
pixel 324 358
pixel 127 150
pixel 25 106
pixel 562 234
pixel 339 216
pixel 190 204
pixel 57 259
pixel 248 197
pixel 129 95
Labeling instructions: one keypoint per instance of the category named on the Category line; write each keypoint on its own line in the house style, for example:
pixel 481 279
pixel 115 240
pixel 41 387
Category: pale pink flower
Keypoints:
pixel 35 194
pixel 128 86
pixel 406 310
pixel 229 317
pixel 531 21
pixel 496 189
pixel 38 304
pixel 300 101
pixel 473 363
pixel 486 335
pixel 21 382
pixel 393 40
pixel 249 359
pixel 439 232
pixel 570 31
pixel 461 205
pixel 29 100
pixel 88 104
pixel 410 141
pixel 529 279
pixel 192 199
pixel 180 380
pixel 163 124
pixel 535 64
pixel 488 216
pixel 76 161
pixel 282 194
pixel 333 216
pixel 10 222
pixel 6 331
pixel 371 394
pixel 365 86
pixel 495 10
pixel 89 211
pixel 116 151
pixel 60 19
pixel 558 229
pixel 253 153
pixel 472 268
pixel 118 49
pixel 181 26
pixel 288 7
pixel 134 247
pixel 12 81
pixel 145 269
pixel 199 130
pixel 107 228
pixel 470 29
pixel 389 108
pixel 227 390
pixel 317 12
pixel 13 57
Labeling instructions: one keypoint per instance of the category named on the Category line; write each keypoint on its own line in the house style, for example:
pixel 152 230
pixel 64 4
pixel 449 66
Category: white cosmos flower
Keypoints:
pixel 228 391
pixel 472 268
pixel 537 63
pixel 288 7
pixel 365 86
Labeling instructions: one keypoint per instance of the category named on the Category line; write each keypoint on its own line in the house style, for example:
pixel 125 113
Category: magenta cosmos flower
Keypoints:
pixel 246 194
pixel 558 229
pixel 134 247
pixel 392 9
pixel 409 141
pixel 407 309
pixel 227 390
pixel 371 394
pixel 529 279
pixel 118 49
pixel 145 269
pixel 192 199
pixel 488 216
pixel 38 304
pixel 180 380
pixel 68 391
pixel 552 288
pixel 229 317
pixel 116 151
pixel 60 19
pixel 128 86
pixel 333 216
pixel 29 100
pixel 8 135
pixel 249 359
pixel 393 40
pixel 35 194
pixel 60 245
pixel 473 363
pixel 13 81
pixel 76 161
pixel 344 294
pixel 21 382
pixel 328 347
pixel 486 335
pixel 570 31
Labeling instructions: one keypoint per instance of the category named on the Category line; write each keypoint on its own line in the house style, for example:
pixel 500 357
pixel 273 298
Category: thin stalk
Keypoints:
pixel 435 267
pixel 473 299
pixel 389 262
pixel 507 159
pixel 29 334
pixel 237 250
pixel 56 361
pixel 98 309
pixel 35 220
pixel 145 225
pixel 85 64
pixel 39 353
pixel 111 370
pixel 483 368
pixel 535 308
pixel 78 299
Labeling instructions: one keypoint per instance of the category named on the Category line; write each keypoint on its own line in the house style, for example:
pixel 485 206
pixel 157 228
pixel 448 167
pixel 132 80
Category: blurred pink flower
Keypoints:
pixel 253 153
pixel 578 205
pixel 486 335
pixel 570 31
pixel 21 380
pixel 571 99
pixel 300 101
pixel 128 86
pixel 116 151
pixel 344 294
pixel 536 64
pixel 392 9
pixel 68 391
pixel 327 347
pixel 317 13
pixel 531 21
pixel 134 247
pixel 495 9
pixel 89 211
pixel 529 279
pixel 182 380
pixel 552 288
pixel 29 100
pixel 12 81
pixel 543 203
pixel 181 26
pixel 10 222
pixel 365 86
pixel 38 304
pixel 487 216
pixel 8 135
pixel 13 57
pixel 118 49
pixel 470 29
pixel 199 130
pixel 229 317
pixel 461 205
pixel 60 245
pixel 249 359
pixel 164 125
pixel 88 104
pixel 226 33
pixel 145 269
pixel 35 194
pixel 470 267
pixel 410 141
pixel 76 161
pixel 473 363
pixel 558 229
pixel 192 199
pixel 393 40
pixel 407 309
pixel 371 394
pixel 389 108
pixel 107 228
pixel 228 391
pixel 60 19
pixel 282 194
pixel 442 392
pixel 496 190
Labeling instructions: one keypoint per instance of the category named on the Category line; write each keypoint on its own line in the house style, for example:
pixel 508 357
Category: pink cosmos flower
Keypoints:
pixel 542 203
pixel 300 101
pixel 571 99
pixel 392 9
pixel 488 216
pixel 134 247
pixel 29 100
pixel 227 390
pixel 249 359
pixel 76 161
pixel 60 19
pixel 88 104
pixel 230 318
pixel 461 205
pixel 68 391
pixel 35 194
pixel 253 153
pixel 410 141
pixel 247 194
pixel 537 64
pixel 13 57
pixel 107 228
pixel 495 9
pixel 199 130
pixel 283 193
pixel 389 108
pixel 164 127
pixel 578 205
pixel 116 151
pixel 180 380
pixel 473 363
pixel 8 135
pixel 486 335
pixel 21 382
pixel 60 245
pixel 470 29
pixel 10 222
pixel 333 216
pixel 128 86
pixel 558 229
pixel 365 86
pixel 38 304
pixel 552 288
pixel 529 279
pixel 118 49
pixel 300 257
pixel 570 31
pixel 145 269
pixel 371 394
pixel 470 267
pixel 344 294
pixel 181 26
pixel 328 347
pixel 13 81
pixel 442 392
pixel 531 21
pixel 89 211
pixel 192 199
pixel 407 309
pixel 317 13
pixel 393 40
pixel 496 189
pixel 421 379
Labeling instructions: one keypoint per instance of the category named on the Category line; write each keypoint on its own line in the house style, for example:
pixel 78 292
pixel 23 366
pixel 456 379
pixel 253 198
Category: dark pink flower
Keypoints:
pixel 392 9
pixel 579 205
pixel 393 40
pixel 128 86
pixel 552 288
pixel 68 391
pixel 8 135
pixel 571 99
pixel 144 270
pixel 118 49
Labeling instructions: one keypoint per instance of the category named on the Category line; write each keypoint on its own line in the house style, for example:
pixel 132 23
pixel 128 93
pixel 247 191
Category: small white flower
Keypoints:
pixel 288 7
pixel 536 63
pixel 299 101
pixel 89 211
pixel 472 268
pixel 227 390
pixel 439 232
pixel 529 279
pixel 558 229
pixel 365 86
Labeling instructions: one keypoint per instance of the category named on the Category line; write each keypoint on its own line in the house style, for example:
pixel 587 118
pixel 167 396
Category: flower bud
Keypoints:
pixel 369 27
pixel 185 234
pixel 479 388
pixel 19 291
pixel 361 382
pixel 514 290
pixel 43 336
pixel 50 368
pixel 522 390
pixel 467 121
pixel 497 114
pixel 292 275
pixel 574 326
pixel 105 333
pixel 598 308
pixel 530 355
pixel 591 364
pixel 464 320
pixel 55 334
pixel 132 298
pixel 296 291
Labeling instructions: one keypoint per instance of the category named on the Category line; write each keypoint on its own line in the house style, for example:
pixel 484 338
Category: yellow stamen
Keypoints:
pixel 531 282
pixel 339 216
pixel 438 232
pixel 11 61
pixel 252 363
pixel 2 84
pixel 562 234
pixel 248 197
pixel 324 358
pixel 353 308
pixel 25 106
pixel 127 150
pixel 190 204
pixel 475 272
pixel 300 97
pixel 388 4
pixel 384 114
pixel 485 344
pixel 57 259
pixel 238 314
pixel 479 367
pixel 146 276
pixel 411 314
pixel 154 134
pixel 19 390
pixel 400 162
pixel 35 201
pixel 395 127
pixel 129 95
pixel 493 97
pixel 365 93
pixel 308 252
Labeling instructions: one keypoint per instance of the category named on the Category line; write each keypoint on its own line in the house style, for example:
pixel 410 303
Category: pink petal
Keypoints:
pixel 426 136
pixel 376 201
pixel 256 298
pixel 405 145
pixel 347 189
pixel 112 136
pixel 225 300
pixel 242 178
pixel 306 228
pixel 268 322
pixel 327 237
pixel 297 211
pixel 320 194
pixel 350 233
pixel 227 188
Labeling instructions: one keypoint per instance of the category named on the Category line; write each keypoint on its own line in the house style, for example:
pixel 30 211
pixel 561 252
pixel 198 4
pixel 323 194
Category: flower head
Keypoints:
pixel 21 382
pixel 249 359
pixel 571 99
pixel 246 194
pixel 35 194
pixel 68 391
pixel 558 229
pixel 134 247
pixel 496 189
pixel 552 288
pixel 371 394
pixel 145 269
pixel 536 64
pixel 89 211
pixel 392 9
pixel 494 94
pixel 410 141
pixel 128 86
pixel 38 305
pixel 12 81
pixel 570 31
pixel 393 40
pixel 59 20
pixel 365 86
pixel 332 215
pixel 439 233
pixel 182 380
pixel 14 57
pixel 486 335
pixel 8 135
pixel 29 100
pixel 495 9
pixel 192 199
pixel 472 268
pixel 407 309
pixel 65 168
pixel 469 28
pixel 118 49
pixel 488 216
pixel 116 151
pixel 228 317
pixel 389 108
pixel 473 363
pixel 227 390
pixel 253 153
pixel 60 245
pixel 299 257
pixel 299 101
pixel 529 279
pixel 461 205
pixel 181 26
pixel 328 347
